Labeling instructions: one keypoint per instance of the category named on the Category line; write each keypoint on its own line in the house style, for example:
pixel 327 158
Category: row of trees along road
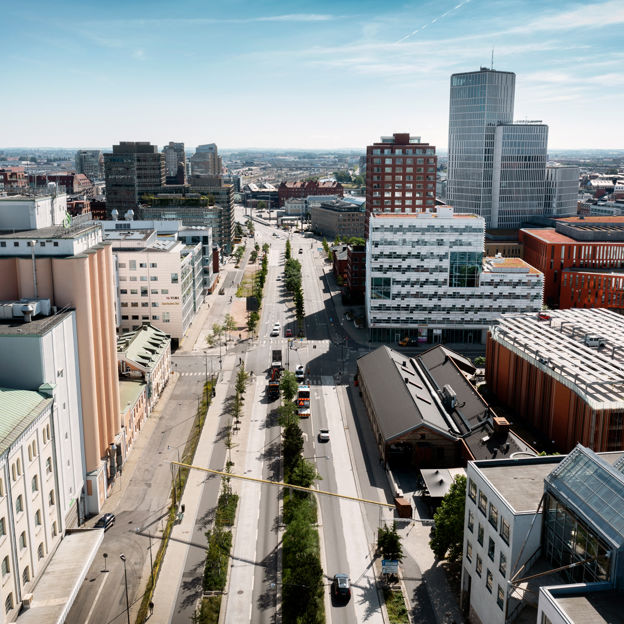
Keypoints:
pixel 302 574
pixel 258 287
pixel 292 279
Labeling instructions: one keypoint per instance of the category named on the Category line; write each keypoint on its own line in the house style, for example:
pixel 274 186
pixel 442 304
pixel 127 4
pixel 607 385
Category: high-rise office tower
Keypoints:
pixel 175 163
pixel 91 163
pixel 206 160
pixel 479 101
pixel 133 169
pixel 400 176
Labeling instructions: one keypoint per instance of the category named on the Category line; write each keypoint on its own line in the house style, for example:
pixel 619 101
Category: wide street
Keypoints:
pixel 347 464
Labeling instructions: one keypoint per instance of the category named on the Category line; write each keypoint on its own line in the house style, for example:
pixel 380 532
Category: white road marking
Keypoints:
pixel 99 591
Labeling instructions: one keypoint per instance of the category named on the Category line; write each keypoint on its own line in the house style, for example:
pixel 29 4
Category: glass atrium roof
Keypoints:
pixel 593 489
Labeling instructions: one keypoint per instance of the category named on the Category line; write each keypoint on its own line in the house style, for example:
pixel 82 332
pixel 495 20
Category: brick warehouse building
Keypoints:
pixel 582 260
pixel 288 190
pixel 400 176
pixel 562 372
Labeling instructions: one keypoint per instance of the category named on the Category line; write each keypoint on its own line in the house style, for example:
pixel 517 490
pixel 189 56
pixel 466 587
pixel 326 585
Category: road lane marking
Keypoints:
pixel 99 591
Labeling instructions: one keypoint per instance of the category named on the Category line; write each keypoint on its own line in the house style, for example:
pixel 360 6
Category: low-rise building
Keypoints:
pixel 288 190
pixel 424 411
pixel 427 279
pixel 355 284
pixel 561 371
pixel 541 533
pixel 160 281
pixel 338 219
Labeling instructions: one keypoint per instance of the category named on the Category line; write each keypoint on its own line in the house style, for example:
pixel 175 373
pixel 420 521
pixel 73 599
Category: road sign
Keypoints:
pixel 389 566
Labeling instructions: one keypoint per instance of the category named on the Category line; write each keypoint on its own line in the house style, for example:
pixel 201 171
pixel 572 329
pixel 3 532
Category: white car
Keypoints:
pixel 276 330
pixel 300 372
pixel 323 435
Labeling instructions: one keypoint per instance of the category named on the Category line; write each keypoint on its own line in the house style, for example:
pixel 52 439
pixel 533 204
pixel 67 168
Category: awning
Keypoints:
pixel 437 480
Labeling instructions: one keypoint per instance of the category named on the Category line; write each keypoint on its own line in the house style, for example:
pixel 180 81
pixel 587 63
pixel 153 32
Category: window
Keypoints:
pixel 166 317
pixel 133 264
pixel 489 581
pixel 40 551
pixel 493 516
pixel 468 551
pixel 35 483
pixel 38 517
pixel 491 549
pixel 26 575
pixel 48 465
pixel 2 527
pixel 134 291
pixel 54 529
pixel 174 278
pixel 479 566
pixel 480 534
pixel 502 564
pixel 22 540
pixel 500 597
pixel 51 497
pixel 142 265
pixel 470 520
pixel 1 487
pixel 123 291
pixel 482 503
pixel 8 603
pixel 381 287
pixel 6 566
pixel 164 291
pixel 19 504
pixel 504 530
pixel 153 278
pixel 472 491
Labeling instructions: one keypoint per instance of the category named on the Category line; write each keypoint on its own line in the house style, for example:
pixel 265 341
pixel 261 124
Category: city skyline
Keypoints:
pixel 277 75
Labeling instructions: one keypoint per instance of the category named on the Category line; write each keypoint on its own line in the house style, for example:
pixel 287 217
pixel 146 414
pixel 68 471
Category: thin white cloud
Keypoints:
pixel 434 20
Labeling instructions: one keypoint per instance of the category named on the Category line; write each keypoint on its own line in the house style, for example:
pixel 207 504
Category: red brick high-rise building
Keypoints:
pixel 400 176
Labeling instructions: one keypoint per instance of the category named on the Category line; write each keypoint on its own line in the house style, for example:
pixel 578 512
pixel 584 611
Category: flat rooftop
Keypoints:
pixel 554 341
pixel 515 265
pixel 52 232
pixel 593 607
pixel 39 326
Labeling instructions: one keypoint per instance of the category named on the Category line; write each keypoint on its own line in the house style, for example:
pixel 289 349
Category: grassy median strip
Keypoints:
pixel 395 604
pixel 177 488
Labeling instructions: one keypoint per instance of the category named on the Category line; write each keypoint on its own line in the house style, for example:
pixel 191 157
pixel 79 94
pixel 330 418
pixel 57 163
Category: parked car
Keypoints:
pixel 300 373
pixel 289 333
pixel 323 435
pixel 300 250
pixel 341 587
pixel 105 522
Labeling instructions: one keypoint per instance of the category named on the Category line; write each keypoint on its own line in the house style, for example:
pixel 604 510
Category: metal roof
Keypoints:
pixel 18 410
pixel 143 346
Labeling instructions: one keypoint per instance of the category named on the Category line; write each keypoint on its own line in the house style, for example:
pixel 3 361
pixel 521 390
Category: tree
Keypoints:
pixel 265 248
pixel 389 542
pixel 299 311
pixel 287 414
pixel 292 446
pixel 447 535
pixel 241 380
pixel 252 322
pixel 288 252
pixel 215 337
pixel 261 205
pixel 288 386
pixel 304 473
pixel 229 324
pixel 238 230
pixel 479 361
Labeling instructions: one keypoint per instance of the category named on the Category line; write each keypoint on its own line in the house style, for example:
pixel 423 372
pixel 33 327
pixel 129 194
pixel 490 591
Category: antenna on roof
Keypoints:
pixel 492 63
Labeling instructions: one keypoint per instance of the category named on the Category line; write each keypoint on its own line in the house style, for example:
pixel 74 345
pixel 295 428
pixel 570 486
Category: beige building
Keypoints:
pixel 160 281
pixel 338 218
pixel 72 266
pixel 31 522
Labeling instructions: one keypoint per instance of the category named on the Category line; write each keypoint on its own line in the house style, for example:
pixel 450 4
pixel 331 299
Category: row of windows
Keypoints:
pixel 408 161
pixel 491 513
pixel 399 151
pixel 17 243
pixel 142 265
pixel 489 578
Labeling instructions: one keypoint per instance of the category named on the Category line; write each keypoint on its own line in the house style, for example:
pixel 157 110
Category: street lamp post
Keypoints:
pixel 123 558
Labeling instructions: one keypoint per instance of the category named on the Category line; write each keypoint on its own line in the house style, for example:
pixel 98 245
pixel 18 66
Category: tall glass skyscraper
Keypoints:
pixel 496 168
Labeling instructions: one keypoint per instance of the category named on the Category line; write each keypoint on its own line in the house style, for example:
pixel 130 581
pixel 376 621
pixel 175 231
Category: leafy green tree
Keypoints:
pixel 238 230
pixel 303 591
pixel 447 535
pixel 288 250
pixel 229 324
pixel 287 414
pixel 261 205
pixel 299 310
pixel 303 473
pixel 241 380
pixel 389 542
pixel 265 248
pixel 288 386
pixel 479 361
pixel 292 445
pixel 252 322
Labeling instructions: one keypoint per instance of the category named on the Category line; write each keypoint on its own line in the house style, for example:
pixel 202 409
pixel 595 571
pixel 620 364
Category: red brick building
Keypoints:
pixel 562 375
pixel 582 260
pixel 71 182
pixel 355 283
pixel 287 190
pixel 400 175
pixel 13 178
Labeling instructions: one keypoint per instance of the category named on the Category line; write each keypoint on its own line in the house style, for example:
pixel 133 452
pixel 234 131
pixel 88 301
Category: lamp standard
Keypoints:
pixel 123 558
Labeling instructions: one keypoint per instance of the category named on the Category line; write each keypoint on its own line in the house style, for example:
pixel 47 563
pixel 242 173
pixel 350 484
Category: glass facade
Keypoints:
pixel 464 269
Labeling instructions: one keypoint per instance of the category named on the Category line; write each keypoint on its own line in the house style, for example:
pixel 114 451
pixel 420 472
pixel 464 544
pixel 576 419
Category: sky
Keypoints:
pixel 294 74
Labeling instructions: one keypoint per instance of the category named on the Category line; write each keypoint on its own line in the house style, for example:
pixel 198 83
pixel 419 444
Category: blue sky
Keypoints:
pixel 299 74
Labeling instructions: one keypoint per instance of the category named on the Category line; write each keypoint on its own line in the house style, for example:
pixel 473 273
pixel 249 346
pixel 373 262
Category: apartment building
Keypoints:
pixel 337 219
pixel 543 538
pixel 427 279
pixel 561 372
pixel 160 281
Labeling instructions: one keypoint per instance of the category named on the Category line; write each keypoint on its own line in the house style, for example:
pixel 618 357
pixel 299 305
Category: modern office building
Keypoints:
pixel 428 281
pixel 562 190
pixel 175 163
pixel 497 168
pixel 160 281
pixel 132 170
pixel 582 259
pixel 338 219
pixel 90 163
pixel 44 256
pixel 561 372
pixel 206 160
pixel 543 539
pixel 400 176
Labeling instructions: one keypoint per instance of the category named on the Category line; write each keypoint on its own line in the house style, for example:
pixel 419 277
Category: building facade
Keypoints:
pixel 206 160
pixel 290 190
pixel 582 259
pixel 561 372
pixel 175 163
pixel 90 163
pixel 562 190
pixel 132 170
pixel 400 176
pixel 427 279
pixel 338 219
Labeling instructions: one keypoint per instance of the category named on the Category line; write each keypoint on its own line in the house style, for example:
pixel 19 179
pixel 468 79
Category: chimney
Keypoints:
pixel 501 425
pixel 27 311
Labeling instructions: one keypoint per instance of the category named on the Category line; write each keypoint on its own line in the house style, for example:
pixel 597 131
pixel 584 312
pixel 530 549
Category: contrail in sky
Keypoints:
pixel 434 20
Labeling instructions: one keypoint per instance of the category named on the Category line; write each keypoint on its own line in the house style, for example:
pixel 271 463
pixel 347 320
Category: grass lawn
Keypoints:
pixel 395 604
pixel 245 288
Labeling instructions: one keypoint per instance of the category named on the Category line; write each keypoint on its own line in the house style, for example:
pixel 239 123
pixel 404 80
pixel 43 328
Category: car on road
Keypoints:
pixel 276 330
pixel 341 587
pixel 300 373
pixel 289 333
pixel 300 250
pixel 105 522
pixel 323 435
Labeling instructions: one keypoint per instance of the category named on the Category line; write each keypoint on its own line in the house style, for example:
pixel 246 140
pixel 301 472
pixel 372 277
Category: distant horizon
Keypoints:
pixel 324 74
